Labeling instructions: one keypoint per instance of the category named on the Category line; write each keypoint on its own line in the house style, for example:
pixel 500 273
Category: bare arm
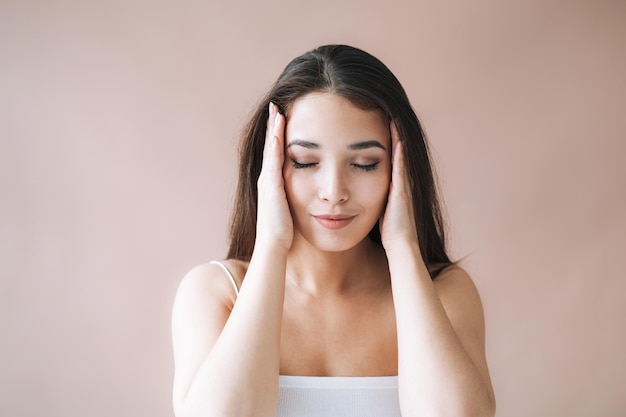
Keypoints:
pixel 442 368
pixel 441 354
pixel 227 362
pixel 231 371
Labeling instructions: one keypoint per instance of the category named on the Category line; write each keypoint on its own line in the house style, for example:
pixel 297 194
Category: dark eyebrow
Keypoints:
pixel 366 144
pixel 354 147
pixel 304 144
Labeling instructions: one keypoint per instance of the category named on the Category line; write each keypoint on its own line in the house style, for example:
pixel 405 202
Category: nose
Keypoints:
pixel 333 187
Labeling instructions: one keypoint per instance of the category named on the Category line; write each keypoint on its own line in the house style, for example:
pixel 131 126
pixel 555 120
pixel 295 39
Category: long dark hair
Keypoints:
pixel 368 84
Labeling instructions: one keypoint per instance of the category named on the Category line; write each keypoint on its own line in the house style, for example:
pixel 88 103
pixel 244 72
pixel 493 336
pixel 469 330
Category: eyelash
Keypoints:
pixel 366 168
pixel 298 165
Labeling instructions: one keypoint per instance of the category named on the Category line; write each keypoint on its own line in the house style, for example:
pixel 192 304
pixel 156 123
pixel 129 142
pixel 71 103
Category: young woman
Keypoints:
pixel 337 297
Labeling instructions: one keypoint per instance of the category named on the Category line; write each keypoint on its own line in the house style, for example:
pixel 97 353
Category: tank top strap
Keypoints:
pixel 229 274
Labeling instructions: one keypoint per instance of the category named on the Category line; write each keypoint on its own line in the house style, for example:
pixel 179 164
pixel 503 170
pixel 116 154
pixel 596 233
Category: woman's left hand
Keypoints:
pixel 397 225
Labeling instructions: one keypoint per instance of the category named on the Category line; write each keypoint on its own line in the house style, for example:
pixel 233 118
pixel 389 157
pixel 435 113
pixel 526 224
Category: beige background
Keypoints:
pixel 119 124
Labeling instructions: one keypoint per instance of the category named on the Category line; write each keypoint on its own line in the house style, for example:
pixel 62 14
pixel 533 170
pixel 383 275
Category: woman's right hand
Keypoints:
pixel 213 328
pixel 274 222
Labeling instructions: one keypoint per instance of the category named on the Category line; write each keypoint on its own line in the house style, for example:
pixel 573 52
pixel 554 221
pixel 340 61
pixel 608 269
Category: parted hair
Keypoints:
pixel 368 84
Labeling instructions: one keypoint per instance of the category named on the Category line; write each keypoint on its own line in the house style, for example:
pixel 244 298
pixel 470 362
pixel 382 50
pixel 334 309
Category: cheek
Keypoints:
pixel 383 187
pixel 289 186
pixel 295 188
pixel 382 193
pixel 376 190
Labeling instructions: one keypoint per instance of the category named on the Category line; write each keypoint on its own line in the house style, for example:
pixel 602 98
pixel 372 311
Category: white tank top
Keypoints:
pixel 322 396
pixel 312 396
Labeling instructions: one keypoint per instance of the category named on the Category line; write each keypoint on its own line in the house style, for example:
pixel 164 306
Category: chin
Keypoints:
pixel 333 248
pixel 335 244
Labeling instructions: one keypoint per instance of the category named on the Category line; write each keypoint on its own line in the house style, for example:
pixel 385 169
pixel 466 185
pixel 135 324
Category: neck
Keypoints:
pixel 319 272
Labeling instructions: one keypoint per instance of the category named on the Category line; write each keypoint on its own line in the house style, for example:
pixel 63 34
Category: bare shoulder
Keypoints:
pixel 455 285
pixel 461 300
pixel 237 268
pixel 464 309
pixel 203 302
pixel 452 272
pixel 204 295
pixel 210 283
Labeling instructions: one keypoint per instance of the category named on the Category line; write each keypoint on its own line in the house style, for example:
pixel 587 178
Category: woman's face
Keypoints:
pixel 337 170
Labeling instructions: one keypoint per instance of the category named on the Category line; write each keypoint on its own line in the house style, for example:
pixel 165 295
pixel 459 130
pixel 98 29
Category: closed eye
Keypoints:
pixel 364 167
pixel 369 167
pixel 298 165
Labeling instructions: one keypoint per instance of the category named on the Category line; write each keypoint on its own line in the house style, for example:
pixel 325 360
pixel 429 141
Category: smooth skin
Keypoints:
pixel 330 302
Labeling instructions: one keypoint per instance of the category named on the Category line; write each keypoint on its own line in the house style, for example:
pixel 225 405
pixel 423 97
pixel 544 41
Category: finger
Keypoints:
pixel 269 129
pixel 278 140
pixel 402 173
pixel 398 172
pixel 401 181
pixel 395 138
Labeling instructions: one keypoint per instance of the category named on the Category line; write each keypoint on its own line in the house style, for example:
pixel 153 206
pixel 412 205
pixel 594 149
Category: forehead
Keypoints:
pixel 327 117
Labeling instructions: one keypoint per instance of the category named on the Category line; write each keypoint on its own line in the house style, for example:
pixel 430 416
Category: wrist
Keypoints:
pixel 271 248
pixel 405 259
pixel 402 248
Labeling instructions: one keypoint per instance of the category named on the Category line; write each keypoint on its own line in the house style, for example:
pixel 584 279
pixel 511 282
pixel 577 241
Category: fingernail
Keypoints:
pixel 272 108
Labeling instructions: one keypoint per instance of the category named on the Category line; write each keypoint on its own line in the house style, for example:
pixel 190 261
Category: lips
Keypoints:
pixel 334 221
